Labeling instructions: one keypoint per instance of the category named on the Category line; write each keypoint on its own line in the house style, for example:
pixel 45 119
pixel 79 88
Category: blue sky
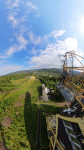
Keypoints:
pixel 34 33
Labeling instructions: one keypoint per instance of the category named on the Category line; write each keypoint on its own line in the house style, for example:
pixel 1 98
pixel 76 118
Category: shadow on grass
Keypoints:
pixel 30 116
pixel 2 141
pixel 39 91
pixel 46 110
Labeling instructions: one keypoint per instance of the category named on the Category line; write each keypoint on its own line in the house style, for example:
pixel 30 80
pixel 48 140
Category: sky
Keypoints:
pixel 34 34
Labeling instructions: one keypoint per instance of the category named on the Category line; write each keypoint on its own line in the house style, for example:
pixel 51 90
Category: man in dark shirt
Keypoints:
pixel 64 75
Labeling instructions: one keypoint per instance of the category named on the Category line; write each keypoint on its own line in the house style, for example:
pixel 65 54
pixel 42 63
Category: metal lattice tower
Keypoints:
pixel 66 130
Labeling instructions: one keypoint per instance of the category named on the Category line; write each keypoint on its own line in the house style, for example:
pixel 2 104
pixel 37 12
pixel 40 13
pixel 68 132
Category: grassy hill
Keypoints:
pixel 15 111
pixel 19 112
pixel 53 70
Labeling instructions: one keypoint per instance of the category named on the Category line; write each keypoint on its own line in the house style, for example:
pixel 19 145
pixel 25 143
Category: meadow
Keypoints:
pixel 19 107
pixel 16 113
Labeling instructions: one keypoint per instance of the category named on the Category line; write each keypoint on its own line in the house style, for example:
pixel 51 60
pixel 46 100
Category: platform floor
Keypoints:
pixel 51 125
pixel 68 95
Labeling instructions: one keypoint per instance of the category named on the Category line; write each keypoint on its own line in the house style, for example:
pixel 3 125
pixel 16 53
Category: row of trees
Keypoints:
pixel 50 83
pixel 6 83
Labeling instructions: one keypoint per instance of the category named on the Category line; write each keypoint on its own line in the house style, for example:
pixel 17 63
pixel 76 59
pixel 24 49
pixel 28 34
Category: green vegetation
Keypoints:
pixel 50 83
pixel 19 105
pixel 30 115
pixel 6 84
pixel 16 106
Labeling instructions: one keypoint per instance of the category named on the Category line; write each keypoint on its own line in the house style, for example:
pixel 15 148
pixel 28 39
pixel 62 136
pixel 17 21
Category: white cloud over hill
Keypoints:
pixel 9 69
pixel 50 57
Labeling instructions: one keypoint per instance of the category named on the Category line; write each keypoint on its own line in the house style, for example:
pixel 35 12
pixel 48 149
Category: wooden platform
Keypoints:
pixel 68 95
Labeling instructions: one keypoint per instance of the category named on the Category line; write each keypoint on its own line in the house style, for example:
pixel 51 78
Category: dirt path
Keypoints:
pixel 53 104
pixel 15 90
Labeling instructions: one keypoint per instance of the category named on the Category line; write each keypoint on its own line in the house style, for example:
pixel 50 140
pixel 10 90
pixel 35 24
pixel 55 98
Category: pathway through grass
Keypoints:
pixel 15 136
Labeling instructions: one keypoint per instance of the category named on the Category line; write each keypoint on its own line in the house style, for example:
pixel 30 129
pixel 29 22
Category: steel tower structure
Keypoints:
pixel 66 130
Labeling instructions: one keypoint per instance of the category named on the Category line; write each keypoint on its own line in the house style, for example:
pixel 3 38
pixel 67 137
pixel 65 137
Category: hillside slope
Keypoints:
pixel 17 116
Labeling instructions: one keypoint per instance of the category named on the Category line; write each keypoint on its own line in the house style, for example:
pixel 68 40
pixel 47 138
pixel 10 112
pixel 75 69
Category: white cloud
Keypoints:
pixel 32 6
pixel 67 45
pixel 50 56
pixel 12 3
pixel 2 61
pixel 53 35
pixel 13 7
pixel 46 38
pixel 71 44
pixel 3 56
pixel 35 51
pixel 47 57
pixel 9 69
pixel 81 24
pixel 34 39
pixel 22 43
pixel 22 40
pixel 13 20
pixel 12 50
pixel 19 23
pixel 56 33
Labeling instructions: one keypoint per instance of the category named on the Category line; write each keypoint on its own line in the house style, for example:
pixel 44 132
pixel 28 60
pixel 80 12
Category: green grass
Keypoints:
pixel 21 135
pixel 6 84
pixel 22 132
pixel 31 116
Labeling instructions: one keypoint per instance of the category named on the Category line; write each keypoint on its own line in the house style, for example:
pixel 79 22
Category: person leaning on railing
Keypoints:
pixel 65 74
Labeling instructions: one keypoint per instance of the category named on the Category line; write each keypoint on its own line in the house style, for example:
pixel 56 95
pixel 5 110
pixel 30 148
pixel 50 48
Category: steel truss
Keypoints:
pixel 72 126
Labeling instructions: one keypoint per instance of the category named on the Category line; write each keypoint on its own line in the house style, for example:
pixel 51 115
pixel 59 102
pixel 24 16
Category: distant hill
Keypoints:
pixel 48 70
pixel 54 70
